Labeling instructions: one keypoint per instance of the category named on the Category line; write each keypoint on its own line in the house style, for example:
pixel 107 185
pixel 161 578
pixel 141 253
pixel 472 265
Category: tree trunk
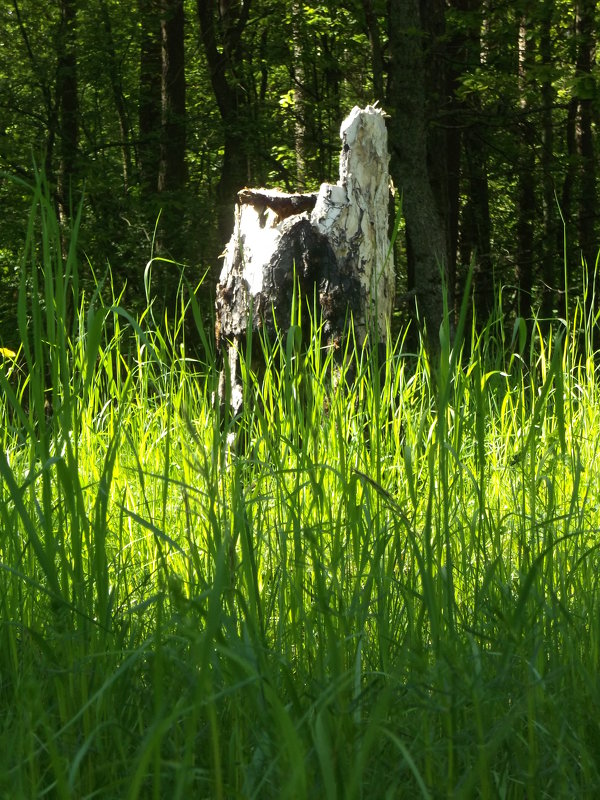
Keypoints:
pixel 475 229
pixel 333 245
pixel 549 287
pixel 68 105
pixel 117 93
pixel 476 224
pixel 300 110
pixel 424 225
pixel 525 226
pixel 223 55
pixel 525 184
pixel 149 107
pixel 438 106
pixel 377 60
pixel 51 104
pixel 173 172
pixel 565 237
pixel 353 215
pixel 585 139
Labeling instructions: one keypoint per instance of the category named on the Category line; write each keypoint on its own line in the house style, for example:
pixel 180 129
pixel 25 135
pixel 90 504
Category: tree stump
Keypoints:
pixel 334 244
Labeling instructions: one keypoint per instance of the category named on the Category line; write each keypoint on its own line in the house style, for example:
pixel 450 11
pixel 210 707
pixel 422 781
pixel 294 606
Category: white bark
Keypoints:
pixel 336 241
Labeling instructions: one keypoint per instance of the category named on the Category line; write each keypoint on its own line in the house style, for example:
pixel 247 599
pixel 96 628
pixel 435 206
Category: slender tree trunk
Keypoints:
pixel 68 104
pixel 234 170
pixel 50 102
pixel 424 225
pixel 377 60
pixel 525 185
pixel 173 171
pixel 477 225
pixel 475 230
pixel 588 198
pixel 525 227
pixel 300 104
pixel 117 92
pixel 548 246
pixel 222 55
pixel 453 172
pixel 441 144
pixel 333 78
pixel 149 106
pixel 565 235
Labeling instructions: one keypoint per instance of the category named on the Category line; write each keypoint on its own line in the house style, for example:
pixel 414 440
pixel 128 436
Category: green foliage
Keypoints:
pixel 493 100
pixel 388 589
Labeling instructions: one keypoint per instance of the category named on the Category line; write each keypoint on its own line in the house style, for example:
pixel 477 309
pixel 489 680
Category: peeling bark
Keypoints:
pixel 332 246
pixel 353 215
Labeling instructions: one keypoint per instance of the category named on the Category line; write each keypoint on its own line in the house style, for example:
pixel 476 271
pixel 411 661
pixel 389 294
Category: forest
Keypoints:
pixel 154 114
pixel 339 571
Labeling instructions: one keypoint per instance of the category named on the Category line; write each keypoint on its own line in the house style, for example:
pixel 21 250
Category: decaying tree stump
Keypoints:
pixel 334 243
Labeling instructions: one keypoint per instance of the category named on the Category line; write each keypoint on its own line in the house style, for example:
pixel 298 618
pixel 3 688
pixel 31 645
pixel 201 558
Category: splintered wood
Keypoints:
pixel 334 245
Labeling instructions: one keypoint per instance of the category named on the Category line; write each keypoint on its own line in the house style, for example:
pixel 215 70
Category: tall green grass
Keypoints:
pixel 389 590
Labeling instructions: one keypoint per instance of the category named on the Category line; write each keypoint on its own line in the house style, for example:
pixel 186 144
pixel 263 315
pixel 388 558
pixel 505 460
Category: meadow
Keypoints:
pixel 387 587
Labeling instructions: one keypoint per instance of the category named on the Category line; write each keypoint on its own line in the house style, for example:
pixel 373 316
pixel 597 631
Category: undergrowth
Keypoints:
pixel 388 588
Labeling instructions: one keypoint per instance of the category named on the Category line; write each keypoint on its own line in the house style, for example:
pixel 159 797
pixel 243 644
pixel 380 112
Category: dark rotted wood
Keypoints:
pixel 332 247
pixel 283 204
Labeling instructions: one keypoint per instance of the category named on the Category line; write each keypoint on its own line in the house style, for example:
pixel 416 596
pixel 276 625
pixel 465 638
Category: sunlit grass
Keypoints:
pixel 388 587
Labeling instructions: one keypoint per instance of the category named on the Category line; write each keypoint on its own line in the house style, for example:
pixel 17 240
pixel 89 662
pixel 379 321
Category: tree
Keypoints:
pixel 373 31
pixel 68 107
pixel 474 223
pixel 425 229
pixel 222 40
pixel 117 93
pixel 300 98
pixel 585 92
pixel 482 144
pixel 548 164
pixel 149 97
pixel 525 253
pixel 172 173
